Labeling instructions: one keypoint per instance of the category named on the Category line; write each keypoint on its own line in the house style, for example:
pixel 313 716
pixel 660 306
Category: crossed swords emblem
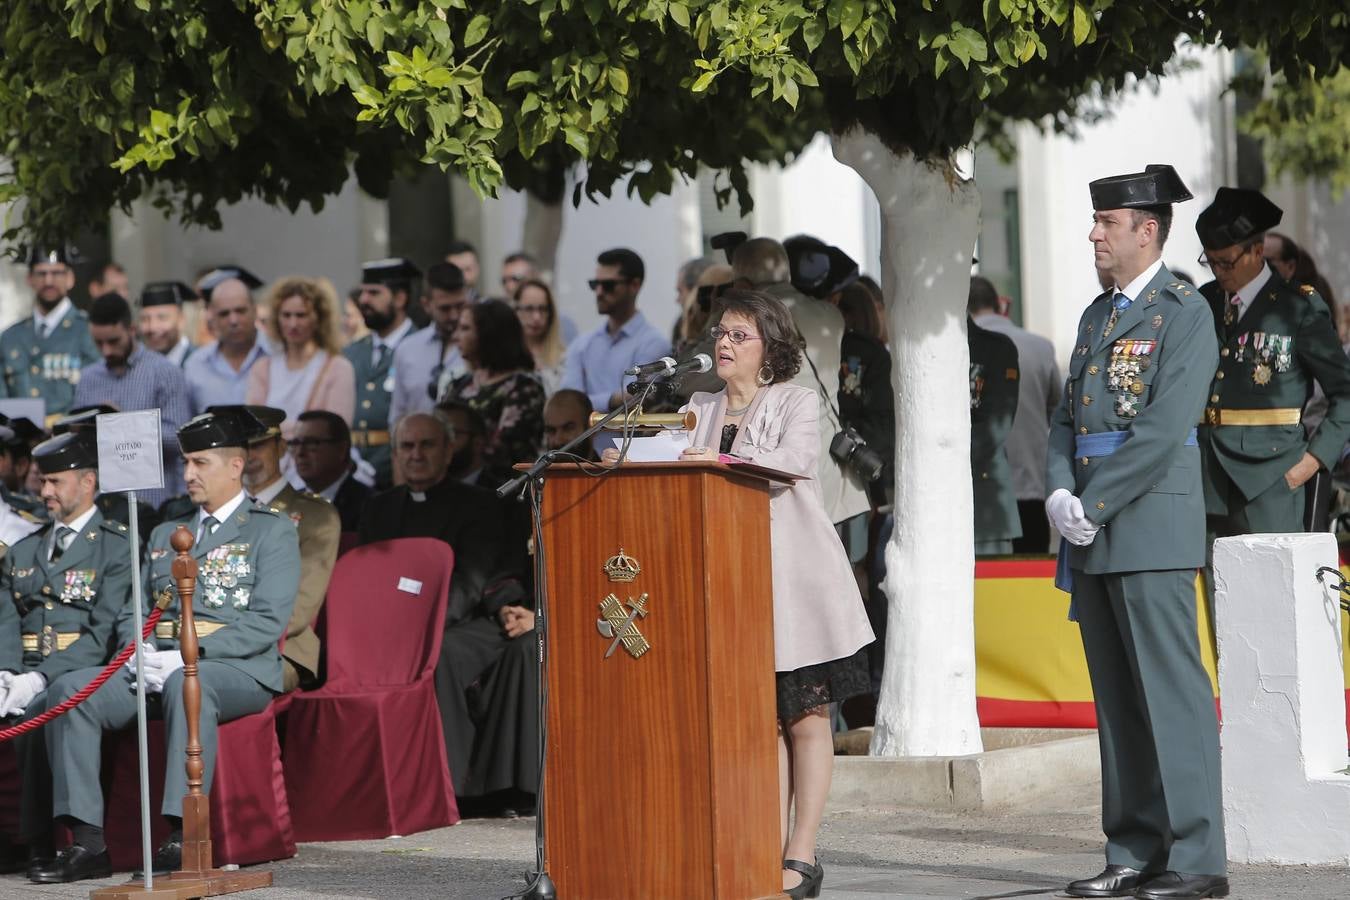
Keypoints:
pixel 619 621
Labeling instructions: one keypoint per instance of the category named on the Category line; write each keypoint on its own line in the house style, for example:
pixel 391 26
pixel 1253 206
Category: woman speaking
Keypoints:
pixel 819 623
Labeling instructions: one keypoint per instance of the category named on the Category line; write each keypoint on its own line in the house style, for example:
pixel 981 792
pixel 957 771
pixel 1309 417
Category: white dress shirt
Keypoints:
pixel 76 526
pixel 221 515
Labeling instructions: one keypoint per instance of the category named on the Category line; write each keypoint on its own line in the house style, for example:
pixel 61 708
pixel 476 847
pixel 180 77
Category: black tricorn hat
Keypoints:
pixel 394 270
pixel 166 293
pixel 214 430
pixel 1157 185
pixel 211 280
pixel 260 422
pixel 82 418
pixel 1236 215
pixel 53 252
pixel 72 450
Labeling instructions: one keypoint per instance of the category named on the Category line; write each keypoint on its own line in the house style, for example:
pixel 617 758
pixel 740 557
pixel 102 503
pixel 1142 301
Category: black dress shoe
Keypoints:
pixel 39 858
pixel 1114 881
pixel 167 859
pixel 74 863
pixel 812 878
pixel 1178 885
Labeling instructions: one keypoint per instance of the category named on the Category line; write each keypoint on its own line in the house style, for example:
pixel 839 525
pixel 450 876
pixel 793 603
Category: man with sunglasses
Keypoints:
pixel 44 353
pixel 1275 337
pixel 596 362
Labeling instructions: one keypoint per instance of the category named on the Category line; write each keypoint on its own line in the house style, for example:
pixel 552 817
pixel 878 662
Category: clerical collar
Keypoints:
pixel 418 496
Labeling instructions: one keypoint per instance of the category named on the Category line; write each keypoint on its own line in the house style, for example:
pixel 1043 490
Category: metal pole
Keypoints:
pixel 137 604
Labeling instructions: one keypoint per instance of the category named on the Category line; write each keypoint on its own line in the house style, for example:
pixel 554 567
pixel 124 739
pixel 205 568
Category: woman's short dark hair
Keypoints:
pixel 773 321
pixel 501 340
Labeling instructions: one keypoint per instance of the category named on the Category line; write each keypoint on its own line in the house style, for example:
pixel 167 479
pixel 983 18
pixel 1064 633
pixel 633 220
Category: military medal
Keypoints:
pixel 976 385
pixel 1261 373
pixel 1157 322
pixel 1127 406
pixel 241 598
pixel 79 585
pixel 215 596
pixel 1241 348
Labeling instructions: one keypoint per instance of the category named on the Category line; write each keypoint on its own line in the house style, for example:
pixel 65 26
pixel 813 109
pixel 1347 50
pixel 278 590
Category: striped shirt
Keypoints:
pixel 148 381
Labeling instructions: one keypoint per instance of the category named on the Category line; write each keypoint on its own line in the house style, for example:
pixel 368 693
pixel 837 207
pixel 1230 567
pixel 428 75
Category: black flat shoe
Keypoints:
pixel 1114 881
pixel 1180 886
pixel 39 858
pixel 74 863
pixel 167 859
pixel 812 878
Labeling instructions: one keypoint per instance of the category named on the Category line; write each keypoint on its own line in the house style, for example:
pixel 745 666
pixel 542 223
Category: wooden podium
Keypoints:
pixel 662 772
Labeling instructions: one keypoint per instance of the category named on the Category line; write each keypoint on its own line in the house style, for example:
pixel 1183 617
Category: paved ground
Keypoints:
pixel 868 855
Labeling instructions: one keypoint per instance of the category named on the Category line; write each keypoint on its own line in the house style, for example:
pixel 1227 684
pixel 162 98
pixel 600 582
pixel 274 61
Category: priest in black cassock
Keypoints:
pixel 487 675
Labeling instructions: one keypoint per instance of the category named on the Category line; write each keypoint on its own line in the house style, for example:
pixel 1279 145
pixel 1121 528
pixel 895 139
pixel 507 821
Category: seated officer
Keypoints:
pixel 61 591
pixel 316 523
pixel 248 574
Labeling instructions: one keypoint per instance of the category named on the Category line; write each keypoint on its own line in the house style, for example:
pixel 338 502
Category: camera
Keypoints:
pixel 849 448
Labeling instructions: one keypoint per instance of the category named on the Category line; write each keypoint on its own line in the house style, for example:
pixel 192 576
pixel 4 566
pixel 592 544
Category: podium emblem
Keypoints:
pixel 618 620
pixel 622 567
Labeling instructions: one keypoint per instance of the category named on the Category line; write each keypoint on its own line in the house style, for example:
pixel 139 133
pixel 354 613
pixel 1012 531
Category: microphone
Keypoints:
pixel 699 362
pixel 663 366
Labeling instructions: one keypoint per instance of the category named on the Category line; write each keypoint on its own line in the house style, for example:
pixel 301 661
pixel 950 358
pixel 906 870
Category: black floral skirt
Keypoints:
pixel 828 682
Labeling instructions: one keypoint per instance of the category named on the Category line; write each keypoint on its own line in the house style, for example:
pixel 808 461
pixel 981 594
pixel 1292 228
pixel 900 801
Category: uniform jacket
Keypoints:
pixel 472 521
pixel 994 378
pixel 1147 496
pixel 82 592
pixel 1298 345
pixel 247 578
pixel 821 325
pixel 374 389
pixel 47 368
pixel 817 611
pixel 318 527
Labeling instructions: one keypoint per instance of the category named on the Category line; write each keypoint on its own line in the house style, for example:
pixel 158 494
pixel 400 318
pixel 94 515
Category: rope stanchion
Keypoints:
pixel 85 692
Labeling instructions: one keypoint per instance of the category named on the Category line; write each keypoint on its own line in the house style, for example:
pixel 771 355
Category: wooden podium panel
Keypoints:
pixel 662 776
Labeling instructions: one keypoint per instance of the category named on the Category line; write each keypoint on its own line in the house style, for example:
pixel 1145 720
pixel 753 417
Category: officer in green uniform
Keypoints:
pixel 387 288
pixel 249 569
pixel 318 526
pixel 1123 469
pixel 44 353
pixel 113 506
pixel 61 591
pixel 1276 339
pixel 993 406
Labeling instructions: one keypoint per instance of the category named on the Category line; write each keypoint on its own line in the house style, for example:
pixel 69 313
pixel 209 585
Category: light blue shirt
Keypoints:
pixel 213 382
pixel 596 361
pixel 148 381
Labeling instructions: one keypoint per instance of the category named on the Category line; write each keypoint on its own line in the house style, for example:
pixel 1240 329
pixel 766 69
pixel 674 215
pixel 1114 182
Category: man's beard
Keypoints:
pixel 375 320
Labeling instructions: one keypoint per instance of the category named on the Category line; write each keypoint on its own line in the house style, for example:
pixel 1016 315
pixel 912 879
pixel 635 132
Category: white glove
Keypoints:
pixel 159 665
pixel 1065 512
pixel 22 689
pixel 147 650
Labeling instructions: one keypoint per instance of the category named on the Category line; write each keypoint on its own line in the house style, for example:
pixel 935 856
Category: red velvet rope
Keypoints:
pixel 84 693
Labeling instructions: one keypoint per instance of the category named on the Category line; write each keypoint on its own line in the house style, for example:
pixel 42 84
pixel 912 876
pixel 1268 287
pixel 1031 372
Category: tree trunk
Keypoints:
pixel 541 232
pixel 929 224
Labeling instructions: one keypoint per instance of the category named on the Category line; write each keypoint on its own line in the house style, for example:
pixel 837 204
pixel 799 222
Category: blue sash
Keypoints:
pixel 1103 443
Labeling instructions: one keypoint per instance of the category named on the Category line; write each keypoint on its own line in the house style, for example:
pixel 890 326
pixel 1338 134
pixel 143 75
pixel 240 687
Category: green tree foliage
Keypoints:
pixel 200 102
pixel 1304 126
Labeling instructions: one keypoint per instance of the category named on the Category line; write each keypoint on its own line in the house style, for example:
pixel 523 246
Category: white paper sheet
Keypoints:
pixel 664 446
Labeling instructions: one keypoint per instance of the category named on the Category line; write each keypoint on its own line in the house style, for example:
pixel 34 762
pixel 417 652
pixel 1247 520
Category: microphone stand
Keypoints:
pixel 541 886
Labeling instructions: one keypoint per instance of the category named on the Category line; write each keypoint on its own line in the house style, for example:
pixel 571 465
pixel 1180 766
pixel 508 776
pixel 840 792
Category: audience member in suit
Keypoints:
pixel 322 451
pixel 489 635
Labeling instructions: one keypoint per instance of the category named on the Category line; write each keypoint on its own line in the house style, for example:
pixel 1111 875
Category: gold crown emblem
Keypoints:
pixel 622 567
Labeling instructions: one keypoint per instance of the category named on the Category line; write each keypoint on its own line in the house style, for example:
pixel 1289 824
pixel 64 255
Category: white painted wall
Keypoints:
pixel 1286 796
pixel 1186 123
pixel 270 242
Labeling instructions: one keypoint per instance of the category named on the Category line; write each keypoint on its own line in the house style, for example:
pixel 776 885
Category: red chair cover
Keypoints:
pixel 250 818
pixel 365 755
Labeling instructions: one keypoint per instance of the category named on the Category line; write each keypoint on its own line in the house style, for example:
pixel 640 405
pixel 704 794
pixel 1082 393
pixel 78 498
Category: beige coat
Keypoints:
pixel 818 613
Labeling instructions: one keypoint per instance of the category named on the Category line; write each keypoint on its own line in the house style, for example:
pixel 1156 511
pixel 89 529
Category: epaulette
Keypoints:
pixel 1307 289
pixel 114 527
pixel 263 510
pixel 29 517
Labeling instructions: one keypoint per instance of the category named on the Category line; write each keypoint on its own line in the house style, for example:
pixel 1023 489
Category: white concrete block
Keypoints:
pixel 1281 678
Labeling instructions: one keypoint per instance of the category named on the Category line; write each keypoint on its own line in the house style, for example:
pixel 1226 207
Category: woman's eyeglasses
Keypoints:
pixel 735 335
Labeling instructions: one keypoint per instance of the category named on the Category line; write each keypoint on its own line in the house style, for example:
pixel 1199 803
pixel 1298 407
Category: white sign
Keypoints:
pixel 410 586
pixel 130 456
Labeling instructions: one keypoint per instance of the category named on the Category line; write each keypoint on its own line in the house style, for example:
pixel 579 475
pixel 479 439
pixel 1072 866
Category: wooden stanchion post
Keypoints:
pixel 196 878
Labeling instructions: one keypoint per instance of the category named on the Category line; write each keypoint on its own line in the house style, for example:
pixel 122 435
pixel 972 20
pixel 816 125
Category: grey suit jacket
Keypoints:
pixel 1040 387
